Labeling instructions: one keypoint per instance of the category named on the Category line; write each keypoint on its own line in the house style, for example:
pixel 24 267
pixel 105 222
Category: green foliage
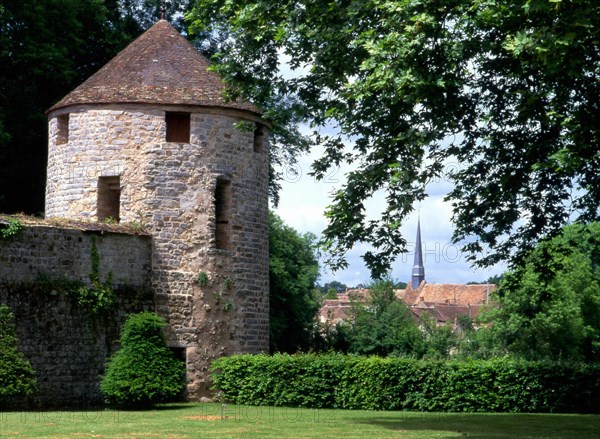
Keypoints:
pixel 550 306
pixel 293 271
pixel 11 229
pixel 334 285
pixel 330 294
pixel 47 48
pixel 17 377
pixel 384 325
pixel 335 380
pixel 143 371
pixel 331 337
pixel 100 296
pixel 97 298
pixel 440 340
pixel 506 89
pixel 228 283
pixel 202 279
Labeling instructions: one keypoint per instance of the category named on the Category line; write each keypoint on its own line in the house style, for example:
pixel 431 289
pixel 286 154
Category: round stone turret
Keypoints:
pixel 149 141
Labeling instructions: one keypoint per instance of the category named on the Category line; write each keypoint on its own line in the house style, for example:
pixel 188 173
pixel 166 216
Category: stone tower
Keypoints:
pixel 149 140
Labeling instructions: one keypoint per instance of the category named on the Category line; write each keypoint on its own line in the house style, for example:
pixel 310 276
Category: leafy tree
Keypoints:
pixel 335 285
pixel 17 377
pixel 143 371
pixel 439 339
pixel 506 88
pixel 330 294
pixel 293 272
pixel 556 314
pixel 328 336
pixel 135 16
pixel 400 285
pixel 330 290
pixel 384 325
pixel 496 279
pixel 47 48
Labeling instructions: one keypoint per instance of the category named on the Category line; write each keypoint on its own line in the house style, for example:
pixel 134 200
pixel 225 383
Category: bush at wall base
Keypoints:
pixel 143 371
pixel 17 377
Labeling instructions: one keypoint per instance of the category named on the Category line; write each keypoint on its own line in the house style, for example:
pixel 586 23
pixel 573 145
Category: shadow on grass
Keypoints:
pixel 492 425
pixel 149 408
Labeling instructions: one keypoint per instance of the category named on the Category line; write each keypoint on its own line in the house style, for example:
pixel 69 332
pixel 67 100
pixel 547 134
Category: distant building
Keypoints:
pixel 443 302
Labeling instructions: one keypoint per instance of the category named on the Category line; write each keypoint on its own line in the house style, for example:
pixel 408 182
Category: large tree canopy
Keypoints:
pixel 293 272
pixel 47 48
pixel 552 314
pixel 508 89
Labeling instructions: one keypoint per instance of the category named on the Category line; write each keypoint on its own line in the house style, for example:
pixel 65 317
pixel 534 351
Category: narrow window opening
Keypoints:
pixel 62 129
pixel 109 199
pixel 223 214
pixel 259 138
pixel 178 127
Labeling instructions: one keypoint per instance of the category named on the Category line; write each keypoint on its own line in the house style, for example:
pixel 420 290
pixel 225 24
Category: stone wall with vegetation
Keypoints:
pixel 66 343
pixel 53 250
pixel 67 311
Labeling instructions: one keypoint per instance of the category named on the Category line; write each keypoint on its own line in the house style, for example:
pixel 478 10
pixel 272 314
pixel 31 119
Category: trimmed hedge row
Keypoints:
pixel 374 383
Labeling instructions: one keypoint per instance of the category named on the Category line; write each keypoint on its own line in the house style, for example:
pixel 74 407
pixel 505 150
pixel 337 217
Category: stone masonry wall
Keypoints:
pixel 66 344
pixel 58 252
pixel 169 188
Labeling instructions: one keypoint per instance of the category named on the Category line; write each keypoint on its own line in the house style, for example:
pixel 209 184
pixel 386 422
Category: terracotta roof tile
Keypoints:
pixel 458 294
pixel 159 67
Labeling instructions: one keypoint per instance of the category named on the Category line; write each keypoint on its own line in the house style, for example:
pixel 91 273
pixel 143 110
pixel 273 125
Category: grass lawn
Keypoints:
pixel 195 421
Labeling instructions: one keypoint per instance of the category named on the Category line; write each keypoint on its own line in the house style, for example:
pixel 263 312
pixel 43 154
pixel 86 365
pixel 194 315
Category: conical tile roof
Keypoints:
pixel 159 67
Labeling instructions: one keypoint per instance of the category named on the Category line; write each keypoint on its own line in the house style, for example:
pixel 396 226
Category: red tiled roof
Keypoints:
pixel 458 294
pixel 159 67
pixel 409 296
pixel 334 311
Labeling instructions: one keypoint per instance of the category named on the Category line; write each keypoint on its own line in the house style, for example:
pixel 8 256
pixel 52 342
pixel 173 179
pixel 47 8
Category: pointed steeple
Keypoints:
pixel 418 270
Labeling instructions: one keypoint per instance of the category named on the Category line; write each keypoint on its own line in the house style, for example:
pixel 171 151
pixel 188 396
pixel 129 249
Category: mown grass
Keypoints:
pixel 177 421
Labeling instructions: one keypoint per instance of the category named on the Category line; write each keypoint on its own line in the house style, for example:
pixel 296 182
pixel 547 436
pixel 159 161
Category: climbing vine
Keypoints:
pixel 100 296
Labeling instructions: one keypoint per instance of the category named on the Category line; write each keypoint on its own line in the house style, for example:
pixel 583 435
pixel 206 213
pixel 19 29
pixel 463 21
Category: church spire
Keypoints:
pixel 418 270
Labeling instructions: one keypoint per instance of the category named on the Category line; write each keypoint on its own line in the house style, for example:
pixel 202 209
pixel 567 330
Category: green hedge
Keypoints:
pixel 373 383
pixel 17 377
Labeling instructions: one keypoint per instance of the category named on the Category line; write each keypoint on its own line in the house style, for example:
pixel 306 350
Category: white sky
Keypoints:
pixel 302 205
